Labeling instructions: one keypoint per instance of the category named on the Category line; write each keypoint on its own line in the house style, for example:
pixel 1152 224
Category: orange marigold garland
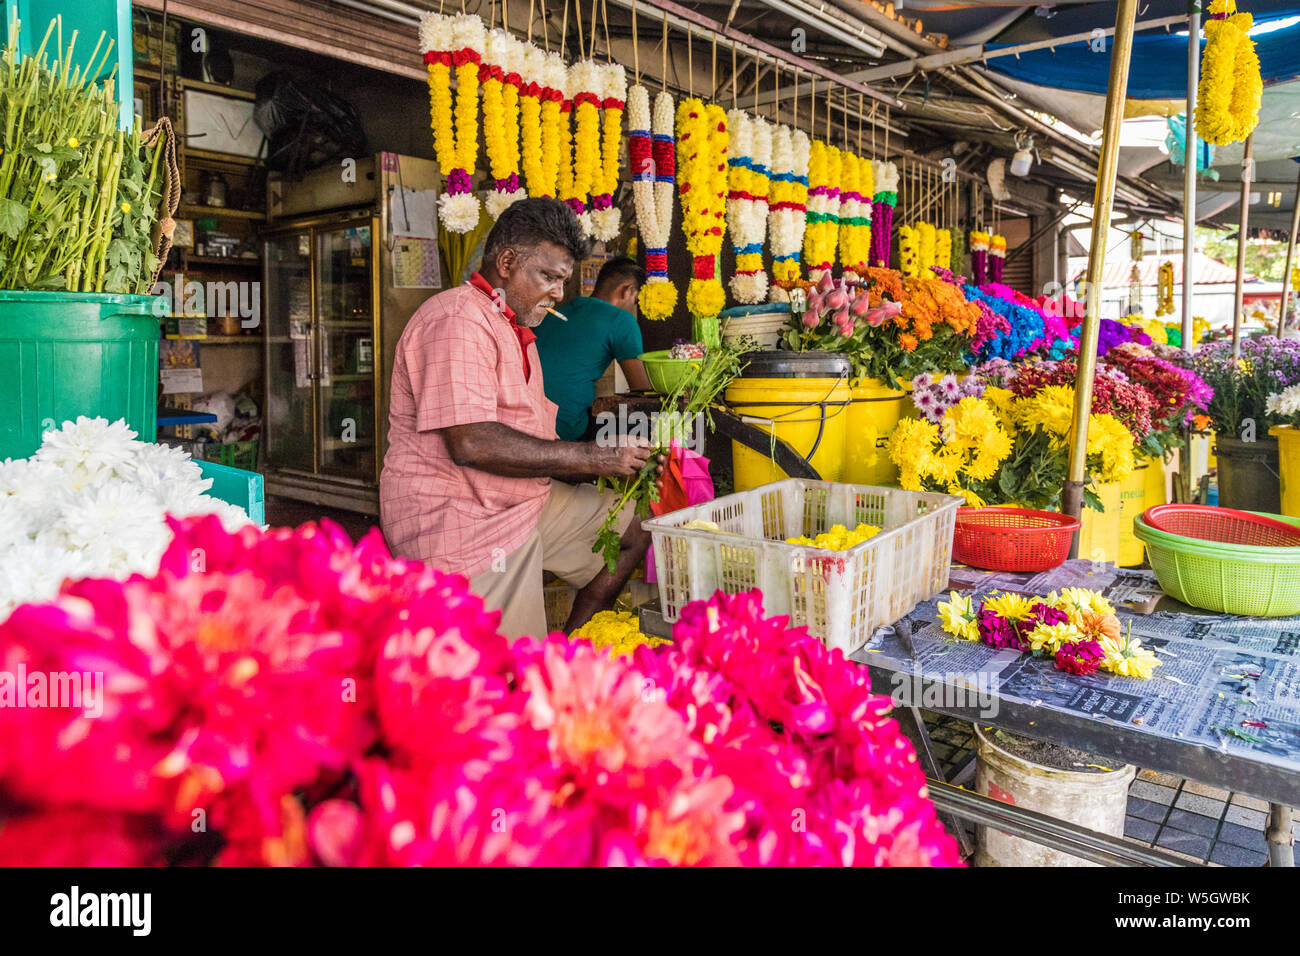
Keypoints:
pixel 702 143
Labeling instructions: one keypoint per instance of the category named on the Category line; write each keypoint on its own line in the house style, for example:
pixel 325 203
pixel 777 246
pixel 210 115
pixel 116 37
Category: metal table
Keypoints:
pixel 1224 709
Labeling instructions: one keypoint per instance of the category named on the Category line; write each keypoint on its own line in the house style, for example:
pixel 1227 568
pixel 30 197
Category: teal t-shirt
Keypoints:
pixel 576 353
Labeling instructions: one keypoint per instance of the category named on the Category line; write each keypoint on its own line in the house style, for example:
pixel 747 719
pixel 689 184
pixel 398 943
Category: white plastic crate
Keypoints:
pixel 841 596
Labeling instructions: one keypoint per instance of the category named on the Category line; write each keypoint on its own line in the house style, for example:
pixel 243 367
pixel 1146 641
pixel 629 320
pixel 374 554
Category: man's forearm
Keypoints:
pixel 502 450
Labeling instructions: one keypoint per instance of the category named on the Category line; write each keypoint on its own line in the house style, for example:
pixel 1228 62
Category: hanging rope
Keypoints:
pixel 733 76
pixel 690 62
pixel 171 191
pixel 530 22
pixel 564 29
pixel 636 48
pixel 859 124
pixel 604 18
pixel 664 44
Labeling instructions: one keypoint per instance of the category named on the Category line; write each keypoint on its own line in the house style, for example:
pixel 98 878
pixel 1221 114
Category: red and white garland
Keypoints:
pixel 749 159
pixel 653 161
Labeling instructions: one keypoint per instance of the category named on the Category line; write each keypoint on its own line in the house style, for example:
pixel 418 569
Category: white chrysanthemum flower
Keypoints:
pixel 498 202
pixel 435 33
pixel 1284 403
pixel 468 33
pixel 459 212
pixel 115 518
pixel 87 447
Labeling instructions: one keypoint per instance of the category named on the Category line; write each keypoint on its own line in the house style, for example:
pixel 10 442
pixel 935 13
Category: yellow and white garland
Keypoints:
pixel 604 216
pixel 540 115
pixel 787 207
pixel 650 156
pixel 454 43
pixel 855 215
pixel 577 177
pixel 749 162
pixel 501 74
pixel 1229 94
pixel 702 145
pixel 918 247
pixel 822 232
pixel 943 248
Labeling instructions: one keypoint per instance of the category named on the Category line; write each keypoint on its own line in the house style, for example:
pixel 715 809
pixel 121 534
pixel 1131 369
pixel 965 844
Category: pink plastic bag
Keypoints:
pixel 685 482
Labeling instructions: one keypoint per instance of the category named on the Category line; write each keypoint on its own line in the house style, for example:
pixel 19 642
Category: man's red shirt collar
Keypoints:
pixel 525 336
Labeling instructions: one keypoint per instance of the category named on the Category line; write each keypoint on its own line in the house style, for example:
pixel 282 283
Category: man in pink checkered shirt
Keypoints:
pixel 475 480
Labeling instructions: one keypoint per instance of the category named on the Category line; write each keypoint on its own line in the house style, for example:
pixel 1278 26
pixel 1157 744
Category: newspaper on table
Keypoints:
pixel 1228 682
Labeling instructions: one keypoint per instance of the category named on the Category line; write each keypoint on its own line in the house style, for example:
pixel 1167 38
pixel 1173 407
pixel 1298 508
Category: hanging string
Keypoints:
pixel 546 28
pixel 796 97
pixel 755 84
pixel 564 29
pixel 505 15
pixel 577 13
pixel 859 124
pixel 595 25
pixel 530 22
pixel 690 63
pixel 713 67
pixel 733 76
pixel 664 45
pixel 604 17
pixel 874 105
pixel 492 15
pixel 636 48
pixel 776 109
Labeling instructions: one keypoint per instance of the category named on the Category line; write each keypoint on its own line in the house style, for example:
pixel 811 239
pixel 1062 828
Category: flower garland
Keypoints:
pixel 943 248
pixel 1076 627
pixel 822 230
pixel 454 42
pixel 748 162
pixel 1165 290
pixel 540 115
pixel 651 156
pixel 979 257
pixel 605 216
pixel 885 177
pixel 702 146
pixel 577 179
pixel 855 215
pixel 909 255
pixel 917 249
pixel 997 257
pixel 501 82
pixel 1229 95
pixel 787 207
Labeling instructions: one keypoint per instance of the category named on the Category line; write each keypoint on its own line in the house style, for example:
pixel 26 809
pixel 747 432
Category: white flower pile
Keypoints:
pixel 1284 404
pixel 91 502
pixel 747 218
pixel 885 176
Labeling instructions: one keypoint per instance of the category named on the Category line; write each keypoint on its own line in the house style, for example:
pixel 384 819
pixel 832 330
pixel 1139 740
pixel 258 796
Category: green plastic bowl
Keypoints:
pixel 1254 581
pixel 664 372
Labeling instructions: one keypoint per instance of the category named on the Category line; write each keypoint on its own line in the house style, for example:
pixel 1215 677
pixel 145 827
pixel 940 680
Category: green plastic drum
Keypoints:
pixel 64 354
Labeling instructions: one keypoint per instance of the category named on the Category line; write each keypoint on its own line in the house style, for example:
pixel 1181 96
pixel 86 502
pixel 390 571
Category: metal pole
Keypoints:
pixel 1189 169
pixel 1290 259
pixel 1102 204
pixel 1247 174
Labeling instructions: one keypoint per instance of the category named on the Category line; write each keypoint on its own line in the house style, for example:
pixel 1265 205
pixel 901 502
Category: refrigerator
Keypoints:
pixel 349 253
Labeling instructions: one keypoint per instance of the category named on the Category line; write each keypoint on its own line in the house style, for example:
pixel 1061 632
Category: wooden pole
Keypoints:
pixel 1290 260
pixel 1247 174
pixel 1102 204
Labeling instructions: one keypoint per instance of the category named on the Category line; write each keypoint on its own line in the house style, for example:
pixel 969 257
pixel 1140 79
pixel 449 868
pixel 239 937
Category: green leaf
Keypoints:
pixel 13 218
pixel 1091 500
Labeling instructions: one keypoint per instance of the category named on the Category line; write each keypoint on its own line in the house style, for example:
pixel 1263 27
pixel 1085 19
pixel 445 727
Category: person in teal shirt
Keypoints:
pixel 596 330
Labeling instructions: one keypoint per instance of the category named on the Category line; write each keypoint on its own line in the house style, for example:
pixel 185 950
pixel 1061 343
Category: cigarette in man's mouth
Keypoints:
pixel 559 315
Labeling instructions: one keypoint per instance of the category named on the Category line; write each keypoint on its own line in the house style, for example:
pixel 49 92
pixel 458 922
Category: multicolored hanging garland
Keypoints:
pixel 702 142
pixel 605 216
pixel 585 86
pixel 1165 290
pixel 822 231
pixel 748 162
pixel 501 80
pixel 997 256
pixel 454 42
pixel 787 207
pixel 651 156
pixel 979 257
pixel 855 215
pixel 885 176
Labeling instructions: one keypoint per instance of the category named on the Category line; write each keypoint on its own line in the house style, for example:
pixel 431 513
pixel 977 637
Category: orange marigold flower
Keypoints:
pixel 908 341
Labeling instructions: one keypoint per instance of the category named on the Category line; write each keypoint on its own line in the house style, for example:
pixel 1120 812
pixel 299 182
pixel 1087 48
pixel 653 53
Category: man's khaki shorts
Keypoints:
pixel 561 543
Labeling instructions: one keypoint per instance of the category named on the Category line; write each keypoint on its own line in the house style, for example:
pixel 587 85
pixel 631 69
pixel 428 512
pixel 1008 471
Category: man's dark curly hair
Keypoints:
pixel 528 222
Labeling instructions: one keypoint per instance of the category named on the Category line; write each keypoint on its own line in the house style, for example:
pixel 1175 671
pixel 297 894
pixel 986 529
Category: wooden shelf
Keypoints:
pixel 207 156
pixel 222 260
pixel 219 339
pixel 220 211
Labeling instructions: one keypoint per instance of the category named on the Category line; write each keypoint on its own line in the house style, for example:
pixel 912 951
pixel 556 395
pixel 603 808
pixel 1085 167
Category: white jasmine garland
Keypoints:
pixel 92 502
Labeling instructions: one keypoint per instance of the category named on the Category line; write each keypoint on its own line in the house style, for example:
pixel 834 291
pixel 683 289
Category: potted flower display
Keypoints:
pixel 1247 456
pixel 79 207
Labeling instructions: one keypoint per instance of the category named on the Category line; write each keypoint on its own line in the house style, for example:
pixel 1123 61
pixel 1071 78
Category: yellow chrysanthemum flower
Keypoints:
pixel 1049 637
pixel 1077 601
pixel 1051 409
pixel 838 538
pixel 617 631
pixel 959 618
pixel 1127 657
pixel 1010 606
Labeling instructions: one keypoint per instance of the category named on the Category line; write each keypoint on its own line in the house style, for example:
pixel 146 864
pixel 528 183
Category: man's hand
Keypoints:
pixel 623 460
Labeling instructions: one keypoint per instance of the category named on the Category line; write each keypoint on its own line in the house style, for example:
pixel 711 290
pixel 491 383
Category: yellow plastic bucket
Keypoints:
pixel 872 416
pixel 1288 452
pixel 1099 537
pixel 1143 489
pixel 783 394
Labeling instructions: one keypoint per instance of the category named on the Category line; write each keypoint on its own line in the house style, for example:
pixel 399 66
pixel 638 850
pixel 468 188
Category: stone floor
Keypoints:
pixel 1203 824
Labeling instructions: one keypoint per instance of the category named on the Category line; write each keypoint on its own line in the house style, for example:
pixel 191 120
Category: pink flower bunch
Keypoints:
pixel 286 697
pixel 1079 657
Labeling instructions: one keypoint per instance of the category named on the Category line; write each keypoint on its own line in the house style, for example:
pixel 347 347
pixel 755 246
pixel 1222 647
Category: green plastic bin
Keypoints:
pixel 64 354
pixel 235 486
